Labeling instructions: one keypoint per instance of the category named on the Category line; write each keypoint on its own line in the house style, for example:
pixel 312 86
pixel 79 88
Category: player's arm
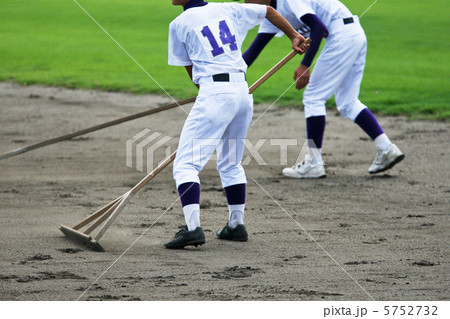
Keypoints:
pixel 189 71
pixel 318 31
pixel 281 23
pixel 261 40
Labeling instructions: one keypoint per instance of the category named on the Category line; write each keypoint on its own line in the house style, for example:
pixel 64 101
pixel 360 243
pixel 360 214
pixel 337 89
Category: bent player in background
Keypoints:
pixel 338 71
pixel 206 39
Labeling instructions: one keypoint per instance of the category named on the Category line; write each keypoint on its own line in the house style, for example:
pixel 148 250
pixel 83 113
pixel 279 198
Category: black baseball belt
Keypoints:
pixel 348 20
pixel 222 77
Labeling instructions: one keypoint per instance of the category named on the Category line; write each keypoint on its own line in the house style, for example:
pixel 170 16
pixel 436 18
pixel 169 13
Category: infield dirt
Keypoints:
pixel 350 236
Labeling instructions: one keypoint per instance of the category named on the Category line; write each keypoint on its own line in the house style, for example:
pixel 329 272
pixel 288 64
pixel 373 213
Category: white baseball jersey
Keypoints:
pixel 293 10
pixel 210 37
pixel 339 69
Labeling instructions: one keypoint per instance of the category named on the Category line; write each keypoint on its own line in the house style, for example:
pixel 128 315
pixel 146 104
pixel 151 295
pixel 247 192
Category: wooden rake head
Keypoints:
pixel 81 238
pixel 107 214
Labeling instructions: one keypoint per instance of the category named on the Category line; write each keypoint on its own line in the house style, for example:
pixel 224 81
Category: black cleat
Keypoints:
pixel 239 233
pixel 185 238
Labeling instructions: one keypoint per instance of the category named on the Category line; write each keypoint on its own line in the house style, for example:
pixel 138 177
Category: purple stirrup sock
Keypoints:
pixel 315 127
pixel 189 193
pixel 367 121
pixel 235 194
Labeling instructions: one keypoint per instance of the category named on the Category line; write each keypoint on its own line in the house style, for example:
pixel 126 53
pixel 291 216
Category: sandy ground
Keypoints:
pixel 350 236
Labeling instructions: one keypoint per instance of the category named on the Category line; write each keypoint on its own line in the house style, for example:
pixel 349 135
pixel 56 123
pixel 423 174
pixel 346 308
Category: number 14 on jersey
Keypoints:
pixel 225 36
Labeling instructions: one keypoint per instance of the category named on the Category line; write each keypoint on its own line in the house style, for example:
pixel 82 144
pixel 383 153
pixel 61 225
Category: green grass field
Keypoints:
pixel 54 42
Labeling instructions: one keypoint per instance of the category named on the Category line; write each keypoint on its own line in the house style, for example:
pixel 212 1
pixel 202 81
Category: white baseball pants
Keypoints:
pixel 218 121
pixel 339 71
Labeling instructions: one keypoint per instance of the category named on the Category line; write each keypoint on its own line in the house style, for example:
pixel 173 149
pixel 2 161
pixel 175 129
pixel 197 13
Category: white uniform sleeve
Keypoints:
pixel 292 10
pixel 267 27
pixel 178 55
pixel 248 15
pixel 300 8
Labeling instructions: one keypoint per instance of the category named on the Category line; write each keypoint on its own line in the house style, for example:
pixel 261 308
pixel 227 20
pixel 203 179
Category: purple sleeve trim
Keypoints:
pixel 318 31
pixel 256 47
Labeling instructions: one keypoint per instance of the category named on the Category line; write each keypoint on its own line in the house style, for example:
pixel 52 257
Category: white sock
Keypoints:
pixel 236 215
pixel 192 216
pixel 315 155
pixel 382 142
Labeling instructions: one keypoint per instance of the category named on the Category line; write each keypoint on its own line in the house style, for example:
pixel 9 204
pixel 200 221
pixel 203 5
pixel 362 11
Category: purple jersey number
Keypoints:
pixel 225 36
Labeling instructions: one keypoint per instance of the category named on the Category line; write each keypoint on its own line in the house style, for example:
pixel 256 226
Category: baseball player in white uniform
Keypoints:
pixel 206 39
pixel 338 71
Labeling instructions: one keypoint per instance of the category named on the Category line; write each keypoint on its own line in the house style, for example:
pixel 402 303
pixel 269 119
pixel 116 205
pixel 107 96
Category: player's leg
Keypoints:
pixel 350 107
pixel 185 173
pixel 199 138
pixel 230 153
pixel 192 234
pixel 329 72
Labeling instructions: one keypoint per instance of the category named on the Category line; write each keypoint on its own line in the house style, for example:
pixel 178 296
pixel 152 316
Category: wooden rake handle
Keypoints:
pixel 94 128
pixel 276 67
pixel 252 88
pixel 153 173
